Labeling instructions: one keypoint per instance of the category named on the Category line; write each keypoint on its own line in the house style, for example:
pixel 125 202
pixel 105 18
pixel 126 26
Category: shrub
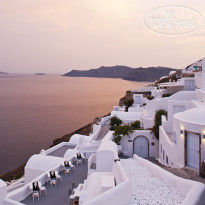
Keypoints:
pixel 158 122
pixel 114 122
pixel 128 103
pixel 122 131
pixel 135 125
pixel 150 97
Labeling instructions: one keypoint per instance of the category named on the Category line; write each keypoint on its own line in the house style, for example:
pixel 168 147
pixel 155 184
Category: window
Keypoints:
pixel 163 154
pixel 174 137
pixel 167 159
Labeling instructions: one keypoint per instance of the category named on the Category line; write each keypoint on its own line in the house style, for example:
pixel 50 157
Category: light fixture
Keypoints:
pixel 203 136
pixel 182 131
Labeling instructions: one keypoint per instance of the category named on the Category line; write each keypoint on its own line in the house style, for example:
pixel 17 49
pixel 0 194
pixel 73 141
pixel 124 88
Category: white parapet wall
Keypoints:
pixel 119 194
pixel 193 192
pixel 3 191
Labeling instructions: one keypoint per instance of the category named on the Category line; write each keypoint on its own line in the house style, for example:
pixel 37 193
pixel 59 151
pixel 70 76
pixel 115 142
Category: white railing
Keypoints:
pixel 108 136
pixel 193 192
pixel 168 148
pixel 103 120
pixel 52 149
pixel 89 148
pixel 96 131
pixel 11 202
pixel 91 159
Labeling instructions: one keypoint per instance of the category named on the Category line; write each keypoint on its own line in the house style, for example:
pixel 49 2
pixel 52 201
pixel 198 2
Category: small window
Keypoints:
pixel 167 159
pixel 163 154
pixel 174 137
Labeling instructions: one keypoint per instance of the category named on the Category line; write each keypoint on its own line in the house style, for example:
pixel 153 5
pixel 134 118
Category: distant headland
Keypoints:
pixel 149 74
pixel 40 74
pixel 3 73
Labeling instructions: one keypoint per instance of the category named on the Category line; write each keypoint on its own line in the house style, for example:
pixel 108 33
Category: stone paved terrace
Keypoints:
pixel 59 194
pixel 185 173
pixel 61 151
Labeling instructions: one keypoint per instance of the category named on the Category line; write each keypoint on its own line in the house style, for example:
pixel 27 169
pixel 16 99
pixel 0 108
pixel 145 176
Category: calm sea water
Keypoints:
pixel 34 110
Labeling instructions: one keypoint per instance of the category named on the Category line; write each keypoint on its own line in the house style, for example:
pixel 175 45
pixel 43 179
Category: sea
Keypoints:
pixel 36 109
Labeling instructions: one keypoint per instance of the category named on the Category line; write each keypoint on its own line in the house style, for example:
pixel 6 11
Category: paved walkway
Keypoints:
pixel 185 173
pixel 104 130
pixel 59 194
pixel 147 189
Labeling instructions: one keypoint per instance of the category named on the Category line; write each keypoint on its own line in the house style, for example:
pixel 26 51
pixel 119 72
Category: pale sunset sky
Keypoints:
pixel 56 36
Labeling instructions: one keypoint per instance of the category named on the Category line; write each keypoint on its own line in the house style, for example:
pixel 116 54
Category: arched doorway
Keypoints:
pixel 141 147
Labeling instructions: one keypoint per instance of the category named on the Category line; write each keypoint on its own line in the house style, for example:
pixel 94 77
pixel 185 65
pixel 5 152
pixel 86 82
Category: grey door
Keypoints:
pixel 141 147
pixel 193 150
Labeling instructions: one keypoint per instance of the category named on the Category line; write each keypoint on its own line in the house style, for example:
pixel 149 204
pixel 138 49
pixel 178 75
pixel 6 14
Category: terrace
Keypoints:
pixel 59 194
pixel 61 150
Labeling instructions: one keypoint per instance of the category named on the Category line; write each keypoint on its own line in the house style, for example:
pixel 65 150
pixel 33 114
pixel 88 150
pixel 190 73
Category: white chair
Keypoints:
pixel 53 181
pixel 67 168
pixel 35 192
pixel 42 188
pixel 58 176
pixel 72 165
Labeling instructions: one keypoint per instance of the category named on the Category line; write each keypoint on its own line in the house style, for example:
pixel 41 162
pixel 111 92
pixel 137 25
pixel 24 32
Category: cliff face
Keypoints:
pixel 138 74
pixel 128 96
pixel 150 74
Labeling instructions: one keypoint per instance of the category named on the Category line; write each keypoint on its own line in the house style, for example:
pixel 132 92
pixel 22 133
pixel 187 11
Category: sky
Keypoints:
pixel 56 36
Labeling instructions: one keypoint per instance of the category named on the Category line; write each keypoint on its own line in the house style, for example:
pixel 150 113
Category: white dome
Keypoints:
pixel 195 116
pixel 172 72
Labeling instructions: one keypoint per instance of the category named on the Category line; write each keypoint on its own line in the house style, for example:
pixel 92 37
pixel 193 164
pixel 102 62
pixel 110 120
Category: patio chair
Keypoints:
pixel 72 165
pixel 52 175
pixel 35 186
pixel 43 188
pixel 58 176
pixel 35 194
pixel 79 159
pixel 67 166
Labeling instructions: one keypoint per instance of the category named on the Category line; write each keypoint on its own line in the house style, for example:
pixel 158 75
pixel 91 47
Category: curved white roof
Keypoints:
pixel 70 153
pixel 43 162
pixel 194 115
pixel 79 139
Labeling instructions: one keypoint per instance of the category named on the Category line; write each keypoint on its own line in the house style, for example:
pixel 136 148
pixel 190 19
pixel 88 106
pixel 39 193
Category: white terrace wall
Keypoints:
pixel 128 143
pixel 3 191
pixel 168 153
pixel 180 96
pixel 120 194
pixel 198 79
pixel 175 107
pixel 194 192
